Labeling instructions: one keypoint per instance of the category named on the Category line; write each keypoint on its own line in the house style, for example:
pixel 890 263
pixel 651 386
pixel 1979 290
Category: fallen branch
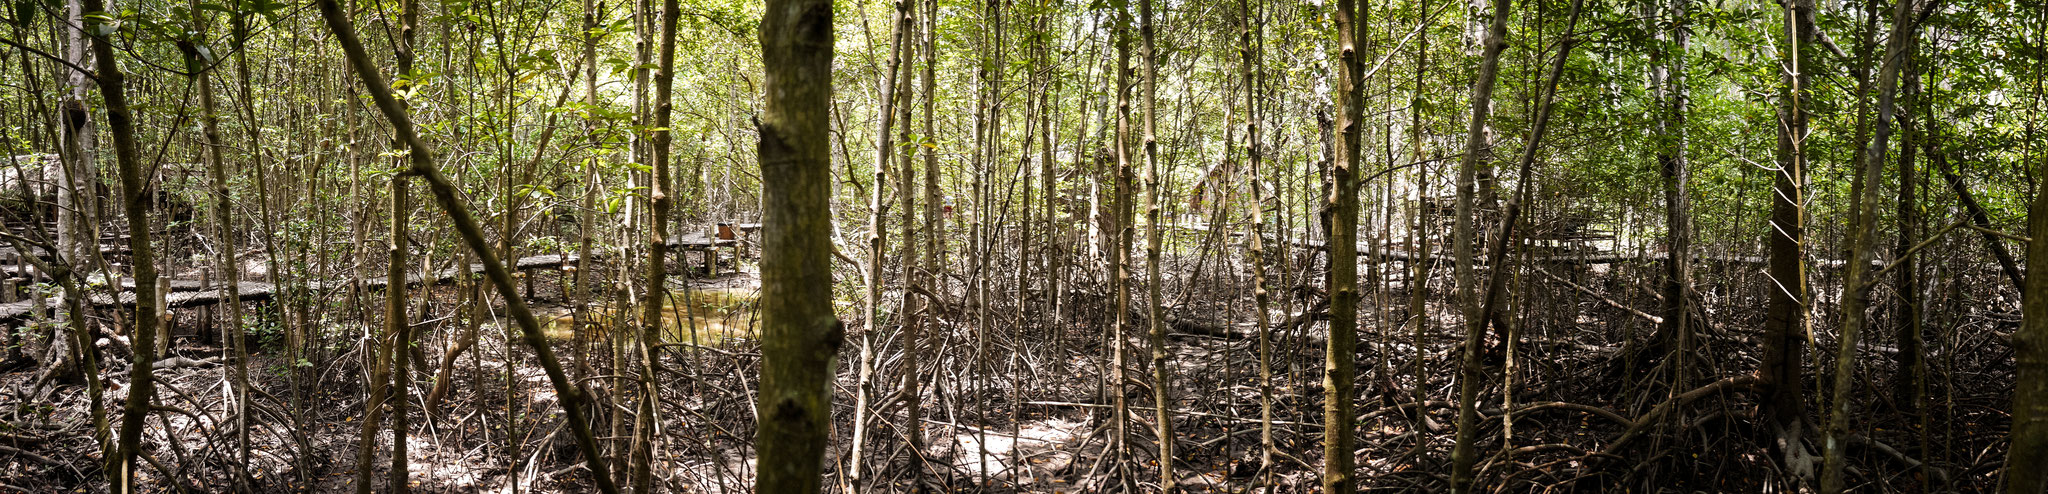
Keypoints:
pixel 1610 302
pixel 1642 423
pixel 45 459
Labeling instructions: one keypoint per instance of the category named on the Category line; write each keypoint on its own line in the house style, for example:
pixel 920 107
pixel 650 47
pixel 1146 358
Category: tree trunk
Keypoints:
pixel 2029 447
pixel 1909 385
pixel 885 149
pixel 913 328
pixel 573 399
pixel 397 326
pixel 398 331
pixel 226 261
pixel 800 335
pixel 1463 454
pixel 136 204
pixel 1498 258
pixel 77 197
pixel 1120 255
pixel 1862 247
pixel 1162 402
pixel 1340 366
pixel 646 421
pixel 1781 373
pixel 1978 216
pixel 1672 162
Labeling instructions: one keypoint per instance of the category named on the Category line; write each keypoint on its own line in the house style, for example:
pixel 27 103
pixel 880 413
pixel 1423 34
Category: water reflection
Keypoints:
pixel 701 316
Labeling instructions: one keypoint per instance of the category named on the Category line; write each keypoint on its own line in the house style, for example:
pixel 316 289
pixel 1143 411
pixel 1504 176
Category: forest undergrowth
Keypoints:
pixel 1589 409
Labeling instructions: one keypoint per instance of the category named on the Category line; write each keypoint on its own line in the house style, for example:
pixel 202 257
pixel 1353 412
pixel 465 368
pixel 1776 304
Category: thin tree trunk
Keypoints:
pixel 226 261
pixel 77 197
pixel 1862 247
pixel 1340 367
pixel 885 149
pixel 1119 262
pixel 1420 244
pixel 397 325
pixel 915 308
pixel 295 336
pixel 1162 402
pixel 1463 454
pixel 398 336
pixel 1910 382
pixel 136 204
pixel 573 399
pixel 1672 162
pixel 647 419
pixel 1251 41
pixel 1975 210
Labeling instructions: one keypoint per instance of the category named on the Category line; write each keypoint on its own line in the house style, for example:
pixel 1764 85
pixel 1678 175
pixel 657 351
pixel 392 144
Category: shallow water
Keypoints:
pixel 701 316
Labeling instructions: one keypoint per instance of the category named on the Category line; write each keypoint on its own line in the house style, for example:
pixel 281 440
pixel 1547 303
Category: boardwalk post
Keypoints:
pixel 206 327
pixel 163 315
pixel 7 284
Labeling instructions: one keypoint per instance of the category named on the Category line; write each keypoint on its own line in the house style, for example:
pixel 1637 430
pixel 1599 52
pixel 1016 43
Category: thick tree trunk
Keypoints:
pixel 1781 373
pixel 800 335
pixel 2029 447
pixel 2030 351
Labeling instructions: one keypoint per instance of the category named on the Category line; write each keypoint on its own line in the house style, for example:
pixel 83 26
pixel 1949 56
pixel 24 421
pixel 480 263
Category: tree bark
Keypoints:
pixel 2030 352
pixel 1162 402
pixel 1673 164
pixel 801 336
pixel 2029 447
pixel 1120 255
pixel 1250 43
pixel 1781 373
pixel 1340 365
pixel 647 419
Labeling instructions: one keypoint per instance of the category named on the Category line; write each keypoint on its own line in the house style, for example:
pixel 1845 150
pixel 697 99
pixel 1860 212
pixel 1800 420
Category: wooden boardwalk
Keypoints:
pixel 190 293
